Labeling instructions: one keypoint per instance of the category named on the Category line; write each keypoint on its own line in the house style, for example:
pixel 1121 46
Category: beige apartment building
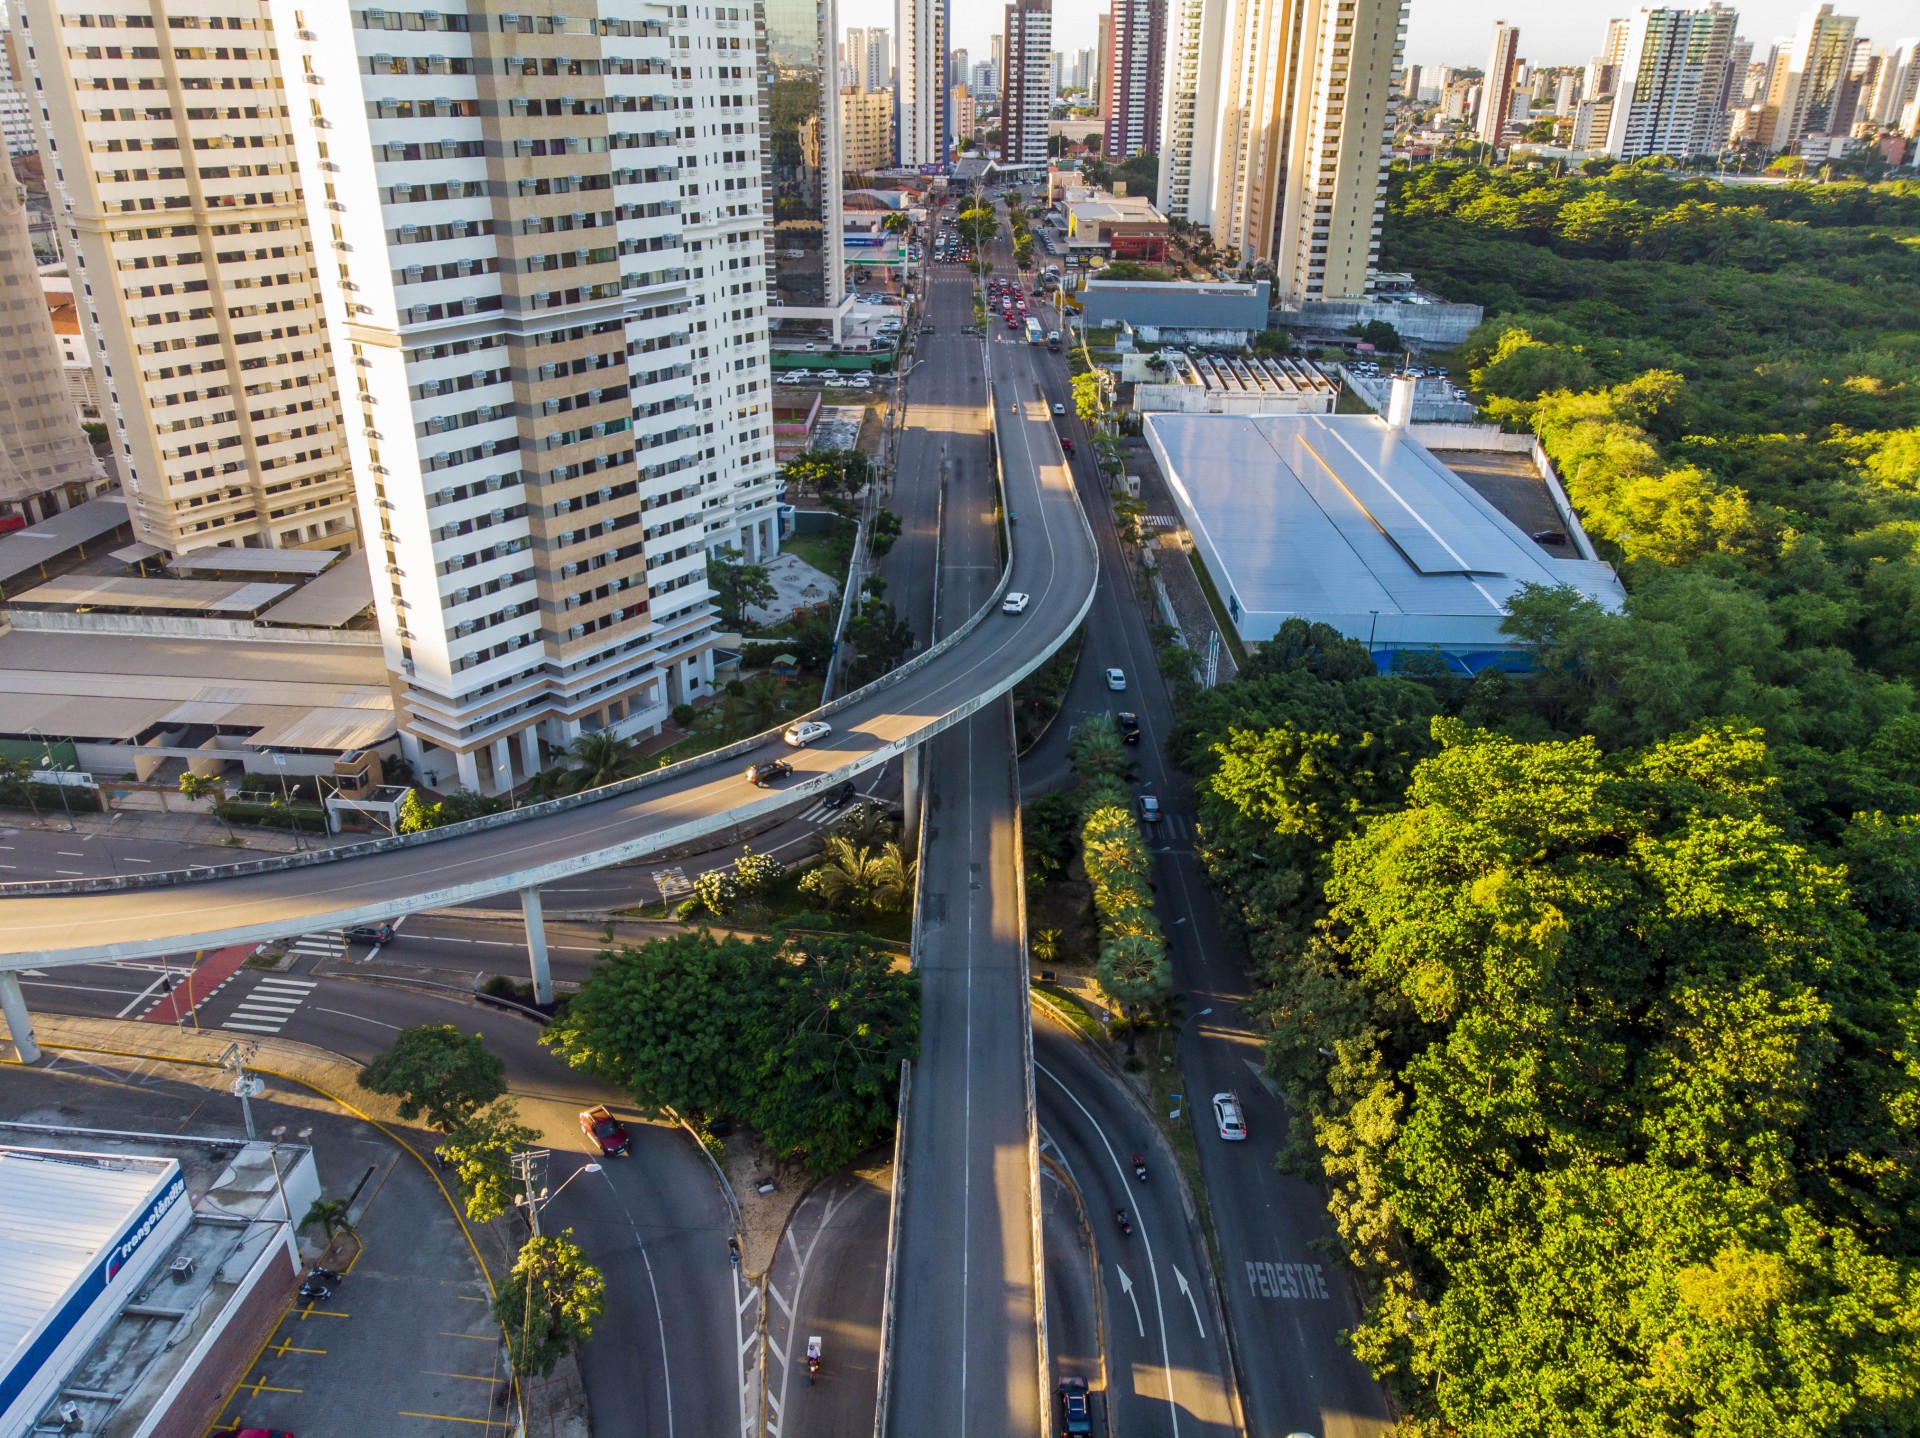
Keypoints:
pixel 1278 134
pixel 866 129
pixel 545 273
pixel 172 169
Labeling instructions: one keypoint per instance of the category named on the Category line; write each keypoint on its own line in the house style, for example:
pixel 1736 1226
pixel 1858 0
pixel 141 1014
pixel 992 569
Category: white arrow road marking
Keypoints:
pixel 1126 1287
pixel 1181 1279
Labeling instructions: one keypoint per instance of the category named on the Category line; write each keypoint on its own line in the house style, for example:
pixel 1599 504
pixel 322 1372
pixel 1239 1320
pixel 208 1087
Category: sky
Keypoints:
pixel 1442 32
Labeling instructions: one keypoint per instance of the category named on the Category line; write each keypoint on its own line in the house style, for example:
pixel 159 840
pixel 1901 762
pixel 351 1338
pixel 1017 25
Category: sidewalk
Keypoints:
pixel 200 829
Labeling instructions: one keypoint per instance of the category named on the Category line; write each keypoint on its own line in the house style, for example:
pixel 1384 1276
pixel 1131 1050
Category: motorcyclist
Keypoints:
pixel 1140 1167
pixel 1120 1217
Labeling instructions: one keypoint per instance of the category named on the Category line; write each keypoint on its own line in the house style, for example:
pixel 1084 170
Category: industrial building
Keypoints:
pixel 1350 521
pixel 1172 381
pixel 1208 314
pixel 142 1273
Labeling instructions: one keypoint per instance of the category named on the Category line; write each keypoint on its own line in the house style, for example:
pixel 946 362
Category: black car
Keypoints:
pixel 839 796
pixel 767 770
pixel 375 934
pixel 1129 726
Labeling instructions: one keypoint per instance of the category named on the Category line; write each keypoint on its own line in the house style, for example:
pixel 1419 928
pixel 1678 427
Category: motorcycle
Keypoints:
pixel 813 1360
pixel 1120 1217
pixel 1140 1167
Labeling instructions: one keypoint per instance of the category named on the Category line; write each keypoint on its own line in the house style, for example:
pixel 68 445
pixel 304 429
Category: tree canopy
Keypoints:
pixel 437 1073
pixel 801 1038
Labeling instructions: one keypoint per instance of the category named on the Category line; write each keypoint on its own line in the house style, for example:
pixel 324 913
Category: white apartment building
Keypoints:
pixel 544 246
pixel 171 165
pixel 1807 77
pixel 1027 103
pixel 16 115
pixel 1297 99
pixel 920 120
pixel 1669 93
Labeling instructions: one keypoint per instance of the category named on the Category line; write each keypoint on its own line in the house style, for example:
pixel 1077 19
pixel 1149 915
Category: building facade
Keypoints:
pixel 966 117
pixel 805 157
pixel 866 130
pixel 1807 78
pixel 46 464
pixel 545 278
pixel 1670 94
pixel 1026 101
pixel 921 123
pixel 1190 107
pixel 1137 65
pixel 172 172
pixel 1496 87
pixel 17 130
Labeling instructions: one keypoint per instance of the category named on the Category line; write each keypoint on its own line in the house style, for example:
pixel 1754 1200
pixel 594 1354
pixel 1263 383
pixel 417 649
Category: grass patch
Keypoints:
pixel 830 553
pixel 1229 635
pixel 1067 1006
pixel 1350 403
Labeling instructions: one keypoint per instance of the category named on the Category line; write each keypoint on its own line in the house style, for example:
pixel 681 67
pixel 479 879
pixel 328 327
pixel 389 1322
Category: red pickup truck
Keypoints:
pixel 605 1130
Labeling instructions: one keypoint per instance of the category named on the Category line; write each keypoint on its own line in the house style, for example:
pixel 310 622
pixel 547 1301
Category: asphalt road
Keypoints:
pixel 1052 562
pixel 1165 1354
pixel 965 1354
pixel 1285 1303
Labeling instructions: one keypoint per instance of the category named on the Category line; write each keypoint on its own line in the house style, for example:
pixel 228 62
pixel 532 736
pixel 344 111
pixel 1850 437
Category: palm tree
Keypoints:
pixel 1046 946
pixel 893 879
pixel 866 823
pixel 330 1214
pixel 846 876
pixel 601 758
pixel 760 702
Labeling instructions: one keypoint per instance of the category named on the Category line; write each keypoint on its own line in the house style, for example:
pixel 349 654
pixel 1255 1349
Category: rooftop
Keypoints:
pixel 1341 519
pixel 26 550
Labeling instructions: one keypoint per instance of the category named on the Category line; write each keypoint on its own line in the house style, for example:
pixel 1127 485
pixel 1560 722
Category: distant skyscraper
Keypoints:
pixel 1286 150
pixel 1896 86
pixel 16 116
pixel 1808 78
pixel 1027 97
pixel 879 62
pixel 1669 94
pixel 1496 88
pixel 959 68
pixel 985 84
pixel 805 159
pixel 1136 65
pixel 46 464
pixel 921 92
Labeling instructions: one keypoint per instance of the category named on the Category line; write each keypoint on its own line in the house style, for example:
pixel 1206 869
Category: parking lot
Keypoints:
pixel 407 1346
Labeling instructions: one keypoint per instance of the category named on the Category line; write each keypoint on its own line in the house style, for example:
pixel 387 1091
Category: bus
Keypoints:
pixel 1035 335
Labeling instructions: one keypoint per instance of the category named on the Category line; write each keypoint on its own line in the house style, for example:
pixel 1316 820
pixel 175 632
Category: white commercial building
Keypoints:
pixel 1349 521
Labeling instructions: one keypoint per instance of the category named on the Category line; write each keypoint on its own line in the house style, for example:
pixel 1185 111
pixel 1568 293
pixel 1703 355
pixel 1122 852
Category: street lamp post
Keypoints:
pixel 278 1133
pixel 46 762
pixel 293 823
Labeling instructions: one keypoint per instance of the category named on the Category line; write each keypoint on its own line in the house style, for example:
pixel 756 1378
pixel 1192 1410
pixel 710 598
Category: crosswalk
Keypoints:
pixel 327 945
pixel 268 1005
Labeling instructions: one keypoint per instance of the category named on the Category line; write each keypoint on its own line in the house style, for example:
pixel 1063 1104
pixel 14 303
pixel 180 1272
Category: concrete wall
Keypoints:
pixel 1198 399
pixel 172 626
pixel 1489 438
pixel 1439 324
pixel 1182 307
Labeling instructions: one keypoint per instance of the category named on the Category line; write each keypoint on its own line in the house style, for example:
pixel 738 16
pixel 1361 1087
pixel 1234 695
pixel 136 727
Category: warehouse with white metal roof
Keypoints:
pixel 1351 522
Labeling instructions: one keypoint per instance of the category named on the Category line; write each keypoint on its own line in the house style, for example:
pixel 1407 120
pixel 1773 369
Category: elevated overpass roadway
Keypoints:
pixel 53 922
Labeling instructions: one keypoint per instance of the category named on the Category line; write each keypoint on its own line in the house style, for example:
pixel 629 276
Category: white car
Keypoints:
pixel 1227 1115
pixel 806 731
pixel 1059 409
pixel 1116 679
pixel 1015 603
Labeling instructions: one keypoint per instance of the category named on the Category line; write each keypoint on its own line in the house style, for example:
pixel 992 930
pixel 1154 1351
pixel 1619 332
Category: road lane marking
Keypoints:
pixel 342 1013
pixel 1286 1280
pixel 1181 1279
pixel 1126 1287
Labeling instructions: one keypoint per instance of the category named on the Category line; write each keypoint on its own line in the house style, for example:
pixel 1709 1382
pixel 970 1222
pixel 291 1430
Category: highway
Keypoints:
pixel 1166 1357
pixel 1286 1303
pixel 966 1325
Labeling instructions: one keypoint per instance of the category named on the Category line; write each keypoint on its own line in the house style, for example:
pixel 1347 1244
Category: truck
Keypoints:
pixel 1053 340
pixel 1034 333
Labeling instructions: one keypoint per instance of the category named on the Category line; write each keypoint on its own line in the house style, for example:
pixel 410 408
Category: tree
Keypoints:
pixel 601 757
pixel 418 814
pixel 853 878
pixel 438 1073
pixel 880 637
pixel 755 873
pixel 738 587
pixel 330 1214
pixel 551 1302
pixel 1377 333
pixel 886 529
pixel 716 892
pixel 203 786
pixel 801 1038
pixel 1089 399
pixel 1096 749
pixel 480 1151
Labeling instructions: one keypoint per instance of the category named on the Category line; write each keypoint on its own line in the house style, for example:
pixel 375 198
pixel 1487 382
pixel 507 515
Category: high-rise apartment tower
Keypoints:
pixel 921 100
pixel 1807 79
pixel 172 171
pixel 1669 93
pixel 1026 102
pixel 1496 89
pixel 1137 66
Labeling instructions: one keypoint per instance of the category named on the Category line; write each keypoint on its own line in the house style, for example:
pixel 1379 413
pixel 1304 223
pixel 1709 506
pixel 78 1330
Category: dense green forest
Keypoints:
pixel 1597 989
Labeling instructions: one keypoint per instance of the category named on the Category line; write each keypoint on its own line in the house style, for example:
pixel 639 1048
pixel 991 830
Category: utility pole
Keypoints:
pixel 245 1086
